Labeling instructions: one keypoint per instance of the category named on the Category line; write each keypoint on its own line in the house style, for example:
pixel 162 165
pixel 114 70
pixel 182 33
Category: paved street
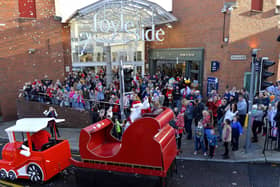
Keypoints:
pixel 190 173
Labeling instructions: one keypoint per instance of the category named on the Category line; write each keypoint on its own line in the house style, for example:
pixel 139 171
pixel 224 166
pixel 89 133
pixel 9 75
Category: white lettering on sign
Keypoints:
pixel 187 54
pixel 238 57
pixel 115 27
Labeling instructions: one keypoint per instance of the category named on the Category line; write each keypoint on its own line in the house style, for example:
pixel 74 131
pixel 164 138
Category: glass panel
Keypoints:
pixel 138 56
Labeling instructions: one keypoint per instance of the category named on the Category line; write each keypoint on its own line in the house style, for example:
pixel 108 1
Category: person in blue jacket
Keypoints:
pixel 236 132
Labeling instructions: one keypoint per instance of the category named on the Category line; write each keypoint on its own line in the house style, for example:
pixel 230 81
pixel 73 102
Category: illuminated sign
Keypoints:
pixel 112 30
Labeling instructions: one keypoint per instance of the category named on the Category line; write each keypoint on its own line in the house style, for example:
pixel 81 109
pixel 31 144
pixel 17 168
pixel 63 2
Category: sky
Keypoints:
pixel 65 8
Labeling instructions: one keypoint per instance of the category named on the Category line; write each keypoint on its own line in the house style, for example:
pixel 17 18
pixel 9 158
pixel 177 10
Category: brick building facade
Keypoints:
pixel 40 44
pixel 201 25
pixel 34 43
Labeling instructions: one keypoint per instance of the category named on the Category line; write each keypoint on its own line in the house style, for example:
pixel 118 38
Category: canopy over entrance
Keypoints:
pixel 148 13
pixel 122 21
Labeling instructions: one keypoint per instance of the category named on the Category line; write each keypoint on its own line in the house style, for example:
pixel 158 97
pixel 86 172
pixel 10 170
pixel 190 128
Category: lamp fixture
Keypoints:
pixel 31 51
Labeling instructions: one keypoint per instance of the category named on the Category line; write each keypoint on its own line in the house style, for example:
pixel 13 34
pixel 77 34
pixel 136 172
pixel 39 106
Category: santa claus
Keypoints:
pixel 138 108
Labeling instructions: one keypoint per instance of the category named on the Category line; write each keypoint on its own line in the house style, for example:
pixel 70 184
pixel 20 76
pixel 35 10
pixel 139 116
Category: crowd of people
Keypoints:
pixel 207 121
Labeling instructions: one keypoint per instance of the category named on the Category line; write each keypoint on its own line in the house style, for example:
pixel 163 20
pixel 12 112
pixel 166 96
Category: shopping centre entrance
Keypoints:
pixel 176 62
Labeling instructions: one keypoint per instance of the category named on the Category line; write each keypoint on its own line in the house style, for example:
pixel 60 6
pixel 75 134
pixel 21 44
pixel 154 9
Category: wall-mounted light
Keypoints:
pixel 168 25
pixel 226 39
pixel 31 51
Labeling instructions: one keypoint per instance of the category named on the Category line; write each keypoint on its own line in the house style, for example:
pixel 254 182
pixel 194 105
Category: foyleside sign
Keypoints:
pixel 116 27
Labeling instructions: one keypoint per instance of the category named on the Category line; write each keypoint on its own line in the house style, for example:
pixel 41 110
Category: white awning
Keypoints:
pixel 31 124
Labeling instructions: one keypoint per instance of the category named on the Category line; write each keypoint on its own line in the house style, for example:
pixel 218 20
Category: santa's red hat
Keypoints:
pixel 135 104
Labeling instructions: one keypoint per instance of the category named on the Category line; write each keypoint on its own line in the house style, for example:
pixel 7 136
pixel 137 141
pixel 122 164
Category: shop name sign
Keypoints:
pixel 238 57
pixel 133 31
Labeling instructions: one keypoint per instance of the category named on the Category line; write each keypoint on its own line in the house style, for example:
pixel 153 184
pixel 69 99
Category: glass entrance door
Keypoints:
pixel 193 70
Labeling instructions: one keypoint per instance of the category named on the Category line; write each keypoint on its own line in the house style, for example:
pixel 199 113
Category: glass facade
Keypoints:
pixel 118 25
pixel 87 52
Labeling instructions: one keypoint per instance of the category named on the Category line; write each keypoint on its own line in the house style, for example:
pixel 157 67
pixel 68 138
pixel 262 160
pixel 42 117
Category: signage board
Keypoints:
pixel 215 66
pixel 238 57
pixel 114 28
pixel 212 84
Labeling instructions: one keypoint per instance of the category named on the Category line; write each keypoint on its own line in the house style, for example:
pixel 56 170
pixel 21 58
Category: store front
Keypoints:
pixel 106 33
pixel 188 62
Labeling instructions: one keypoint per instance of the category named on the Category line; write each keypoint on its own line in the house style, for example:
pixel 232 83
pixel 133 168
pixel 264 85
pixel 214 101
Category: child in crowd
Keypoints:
pixel 206 122
pixel 118 128
pixel 199 138
pixel 236 132
pixel 180 128
pixel 226 136
pixel 212 141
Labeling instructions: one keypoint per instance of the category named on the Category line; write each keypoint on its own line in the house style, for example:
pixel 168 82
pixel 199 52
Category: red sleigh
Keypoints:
pixel 148 146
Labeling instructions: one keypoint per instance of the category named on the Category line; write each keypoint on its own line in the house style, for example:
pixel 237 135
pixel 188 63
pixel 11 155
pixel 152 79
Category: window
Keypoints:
pixel 277 8
pixel 257 5
pixel 138 56
pixel 27 8
pixel 114 56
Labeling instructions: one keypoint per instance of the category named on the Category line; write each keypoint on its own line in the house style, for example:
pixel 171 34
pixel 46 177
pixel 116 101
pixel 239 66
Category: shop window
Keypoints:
pixel 98 57
pixel 27 8
pixel 277 8
pixel 114 56
pixel 138 56
pixel 257 5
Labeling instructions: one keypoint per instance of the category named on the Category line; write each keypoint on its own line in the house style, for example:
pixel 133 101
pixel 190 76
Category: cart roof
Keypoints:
pixel 31 124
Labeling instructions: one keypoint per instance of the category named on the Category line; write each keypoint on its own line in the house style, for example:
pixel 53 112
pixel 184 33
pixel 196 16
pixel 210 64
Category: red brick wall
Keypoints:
pixel 43 34
pixel 201 25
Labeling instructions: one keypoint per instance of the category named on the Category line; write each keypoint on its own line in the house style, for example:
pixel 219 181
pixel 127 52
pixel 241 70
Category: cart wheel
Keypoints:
pixel 35 173
pixel 3 174
pixel 12 175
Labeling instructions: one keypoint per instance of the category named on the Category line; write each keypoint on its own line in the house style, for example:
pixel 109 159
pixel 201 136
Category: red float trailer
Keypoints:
pixel 21 160
pixel 148 146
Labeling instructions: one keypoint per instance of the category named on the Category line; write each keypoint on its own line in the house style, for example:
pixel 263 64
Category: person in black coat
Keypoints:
pixel 197 111
pixel 94 114
pixel 51 113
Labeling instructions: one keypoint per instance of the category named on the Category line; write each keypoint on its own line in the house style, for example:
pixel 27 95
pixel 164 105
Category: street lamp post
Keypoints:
pixel 121 78
pixel 251 97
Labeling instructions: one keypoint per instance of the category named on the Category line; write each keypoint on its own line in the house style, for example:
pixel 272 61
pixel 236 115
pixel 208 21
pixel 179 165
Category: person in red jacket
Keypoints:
pixel 40 138
pixel 213 105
